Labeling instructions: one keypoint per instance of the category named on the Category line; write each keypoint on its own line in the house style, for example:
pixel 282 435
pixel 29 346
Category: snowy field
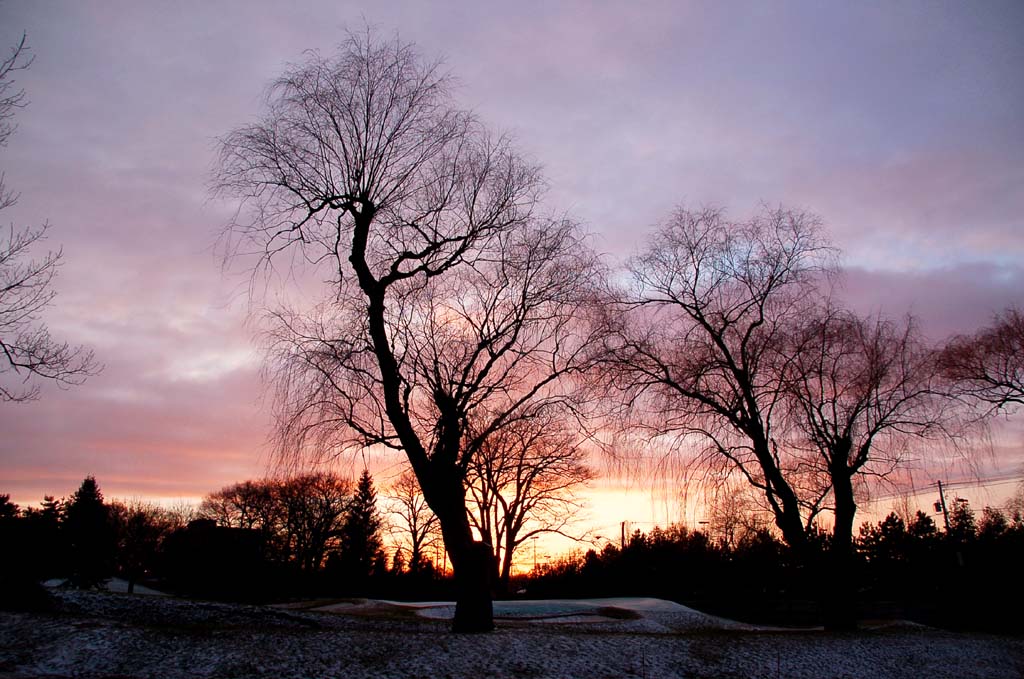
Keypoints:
pixel 113 635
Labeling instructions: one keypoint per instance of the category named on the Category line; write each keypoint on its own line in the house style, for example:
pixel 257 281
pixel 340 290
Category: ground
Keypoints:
pixel 114 635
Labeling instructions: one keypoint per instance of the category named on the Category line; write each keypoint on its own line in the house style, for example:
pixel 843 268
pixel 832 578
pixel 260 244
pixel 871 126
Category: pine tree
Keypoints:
pixel 89 535
pixel 361 532
pixel 962 525
pixel 398 562
pixel 8 510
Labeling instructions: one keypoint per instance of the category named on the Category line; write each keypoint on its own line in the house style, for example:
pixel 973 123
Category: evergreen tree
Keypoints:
pixel 90 538
pixel 962 525
pixel 398 562
pixel 8 510
pixel 43 542
pixel 361 532
pixel 922 527
pixel 993 524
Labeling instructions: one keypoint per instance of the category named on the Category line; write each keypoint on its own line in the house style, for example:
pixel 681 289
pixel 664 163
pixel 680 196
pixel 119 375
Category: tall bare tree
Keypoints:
pixel 697 344
pixel 523 484
pixel 449 296
pixel 139 527
pixel 731 341
pixel 27 350
pixel 988 366
pixel 857 391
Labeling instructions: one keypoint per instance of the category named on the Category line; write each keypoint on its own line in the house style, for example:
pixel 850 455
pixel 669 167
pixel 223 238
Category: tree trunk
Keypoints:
pixel 840 604
pixel 782 499
pixel 472 561
pixel 504 573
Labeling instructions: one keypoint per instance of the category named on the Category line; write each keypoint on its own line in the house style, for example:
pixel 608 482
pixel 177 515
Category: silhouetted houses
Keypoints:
pixel 210 560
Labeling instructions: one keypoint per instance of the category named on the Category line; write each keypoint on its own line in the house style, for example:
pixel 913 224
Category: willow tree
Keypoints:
pixel 732 348
pixel 449 297
pixel 858 391
pixel 697 345
pixel 987 367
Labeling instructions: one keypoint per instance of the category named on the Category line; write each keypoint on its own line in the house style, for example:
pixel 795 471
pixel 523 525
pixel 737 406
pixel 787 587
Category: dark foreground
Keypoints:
pixel 112 635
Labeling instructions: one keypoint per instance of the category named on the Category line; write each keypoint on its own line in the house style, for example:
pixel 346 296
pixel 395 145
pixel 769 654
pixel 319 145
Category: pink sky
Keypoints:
pixel 899 124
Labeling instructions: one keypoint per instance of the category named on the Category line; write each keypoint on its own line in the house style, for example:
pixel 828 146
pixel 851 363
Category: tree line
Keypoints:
pixel 962 576
pixel 255 539
pixel 315 532
pixel 251 541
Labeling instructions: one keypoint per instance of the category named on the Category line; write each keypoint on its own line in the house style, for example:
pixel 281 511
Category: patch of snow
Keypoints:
pixel 650 615
pixel 118 585
pixel 121 586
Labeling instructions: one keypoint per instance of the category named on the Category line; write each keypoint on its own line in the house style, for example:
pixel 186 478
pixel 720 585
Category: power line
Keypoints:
pixel 977 482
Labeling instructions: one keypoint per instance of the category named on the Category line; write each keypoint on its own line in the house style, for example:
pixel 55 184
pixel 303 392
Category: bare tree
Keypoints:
pixel 450 297
pixel 697 345
pixel 415 525
pixel 743 352
pixel 312 511
pixel 12 99
pixel 522 484
pixel 857 390
pixel 27 350
pixel 139 528
pixel 299 516
pixel 734 515
pixel 249 505
pixel 988 366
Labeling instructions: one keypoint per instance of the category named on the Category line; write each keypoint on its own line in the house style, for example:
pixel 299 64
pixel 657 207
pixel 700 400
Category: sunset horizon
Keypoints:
pixel 908 150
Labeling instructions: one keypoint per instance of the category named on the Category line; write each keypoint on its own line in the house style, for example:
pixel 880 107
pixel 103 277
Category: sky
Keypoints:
pixel 899 123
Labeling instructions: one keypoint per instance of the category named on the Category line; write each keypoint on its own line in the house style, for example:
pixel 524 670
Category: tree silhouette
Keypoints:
pixel 963 527
pixel 138 528
pixel 313 510
pixel 523 484
pixel 414 524
pixel 697 339
pixel 856 390
pixel 249 504
pixel 360 547
pixel 450 296
pixel 299 517
pixel 8 510
pixel 89 534
pixel 733 352
pixel 989 365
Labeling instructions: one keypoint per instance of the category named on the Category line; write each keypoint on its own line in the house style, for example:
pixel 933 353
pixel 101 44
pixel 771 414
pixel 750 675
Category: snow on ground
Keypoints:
pixel 119 585
pixel 95 634
pixel 627 614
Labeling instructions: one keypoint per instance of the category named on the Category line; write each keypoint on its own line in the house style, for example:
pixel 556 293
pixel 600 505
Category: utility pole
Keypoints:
pixel 942 501
pixel 622 537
